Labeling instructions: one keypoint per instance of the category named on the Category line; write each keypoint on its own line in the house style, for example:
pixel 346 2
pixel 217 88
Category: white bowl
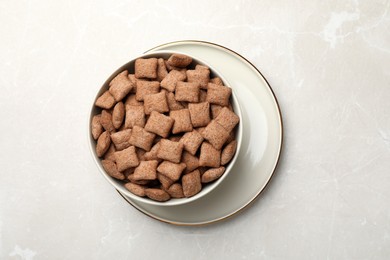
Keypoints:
pixel 119 185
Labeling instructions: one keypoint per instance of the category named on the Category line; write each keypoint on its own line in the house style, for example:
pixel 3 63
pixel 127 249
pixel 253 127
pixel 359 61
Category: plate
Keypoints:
pixel 261 140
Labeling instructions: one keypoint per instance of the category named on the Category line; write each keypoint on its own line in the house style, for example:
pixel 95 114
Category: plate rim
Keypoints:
pixel 280 148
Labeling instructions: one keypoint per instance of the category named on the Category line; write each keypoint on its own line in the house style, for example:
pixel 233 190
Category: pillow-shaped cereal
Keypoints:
pixel 227 119
pixel 157 194
pixel 217 94
pixel 212 174
pixel 121 139
pixel 176 190
pixel 146 68
pixel 191 183
pixel 146 170
pixel 200 113
pixel 111 169
pixel 120 86
pixel 170 81
pixel 118 114
pixel 191 141
pixel 200 76
pixel 106 121
pixel 96 127
pixel 187 91
pixel 135 115
pixel 172 103
pixel 215 134
pixel 182 121
pixel 156 102
pixel 171 170
pixel 105 101
pixel 141 138
pixel 179 60
pixel 170 150
pixel 228 152
pixel 209 156
pixel 191 161
pixel 137 189
pixel 103 143
pixel 126 158
pixel 159 124
pixel 146 88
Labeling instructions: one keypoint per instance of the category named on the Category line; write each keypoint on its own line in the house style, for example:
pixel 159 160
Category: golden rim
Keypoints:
pixel 250 203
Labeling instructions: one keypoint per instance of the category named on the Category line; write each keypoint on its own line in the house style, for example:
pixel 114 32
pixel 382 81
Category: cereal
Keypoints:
pixel 146 68
pixel 164 128
pixel 228 152
pixel 103 143
pixel 191 183
pixel 200 114
pixel 182 121
pixel 156 102
pixel 120 86
pixel 126 158
pixel 159 124
pixel 118 114
pixel 141 138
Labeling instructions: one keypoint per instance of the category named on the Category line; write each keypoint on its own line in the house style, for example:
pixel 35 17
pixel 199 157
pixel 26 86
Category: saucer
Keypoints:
pixel 261 140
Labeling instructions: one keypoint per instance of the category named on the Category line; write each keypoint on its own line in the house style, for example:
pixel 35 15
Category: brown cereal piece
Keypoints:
pixel 159 124
pixel 212 174
pixel 109 155
pixel 146 88
pixel 228 152
pixel 187 91
pixel 152 154
pixel 191 161
pixel 215 110
pixel 209 156
pixel 171 170
pixel 201 67
pixel 170 81
pixel 199 113
pixel 232 136
pixel 105 101
pixel 126 158
pixel 191 183
pixel 191 141
pixel 176 191
pixel 217 94
pixel 136 189
pixel 146 170
pixel 135 116
pixel 215 134
pixel 200 76
pixel 130 177
pixel 118 114
pixel 202 95
pixel 146 68
pixel 133 80
pixel 121 139
pixel 120 86
pixel 179 60
pixel 217 80
pixel 131 100
pixel 111 169
pixel 106 121
pixel 164 180
pixel 141 138
pixel 227 119
pixel 161 69
pixel 96 127
pixel 172 103
pixel 182 121
pixel 156 102
pixel 170 151
pixel 103 143
pixel 157 194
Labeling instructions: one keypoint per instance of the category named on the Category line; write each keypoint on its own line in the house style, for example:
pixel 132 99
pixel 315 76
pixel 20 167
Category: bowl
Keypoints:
pixel 207 188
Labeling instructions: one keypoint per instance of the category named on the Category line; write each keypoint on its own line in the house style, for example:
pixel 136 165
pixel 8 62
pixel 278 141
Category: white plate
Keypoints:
pixel 261 140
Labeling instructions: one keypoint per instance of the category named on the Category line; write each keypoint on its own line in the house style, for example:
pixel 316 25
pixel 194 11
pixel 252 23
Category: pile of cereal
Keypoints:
pixel 167 129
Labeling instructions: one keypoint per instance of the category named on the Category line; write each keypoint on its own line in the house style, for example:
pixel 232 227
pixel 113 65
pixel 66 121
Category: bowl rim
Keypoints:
pixel 173 201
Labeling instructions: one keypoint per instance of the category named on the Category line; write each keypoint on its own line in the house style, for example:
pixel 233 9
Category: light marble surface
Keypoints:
pixel 328 63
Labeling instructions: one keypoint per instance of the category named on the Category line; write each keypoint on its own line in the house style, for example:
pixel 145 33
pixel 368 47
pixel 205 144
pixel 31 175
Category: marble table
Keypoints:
pixel 328 64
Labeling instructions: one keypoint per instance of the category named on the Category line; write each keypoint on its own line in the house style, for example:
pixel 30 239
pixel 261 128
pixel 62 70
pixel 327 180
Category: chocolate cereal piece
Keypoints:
pixel 126 158
pixel 136 189
pixel 146 88
pixel 191 141
pixel 228 152
pixel 131 100
pixel 172 103
pixel 201 67
pixel 135 116
pixel 171 170
pixel 120 86
pixel 217 80
pixel 215 134
pixel 152 154
pixel 161 69
pixel 191 161
pixel 109 155
pixel 141 138
pixel 186 91
pixel 159 124
pixel 217 94
pixel 179 60
pixel 146 170
pixel 106 121
pixel 191 183
pixel 182 121
pixel 227 119
pixel 176 190
pixel 121 139
pixel 118 114
pixel 200 76
pixel 111 169
pixel 209 156
pixel 215 110
pixel 157 194
pixel 103 143
pixel 146 68
pixel 96 127
pixel 212 174
pixel 170 81
pixel 164 180
pixel 105 101
pixel 170 151
pixel 199 113
pixel 156 102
